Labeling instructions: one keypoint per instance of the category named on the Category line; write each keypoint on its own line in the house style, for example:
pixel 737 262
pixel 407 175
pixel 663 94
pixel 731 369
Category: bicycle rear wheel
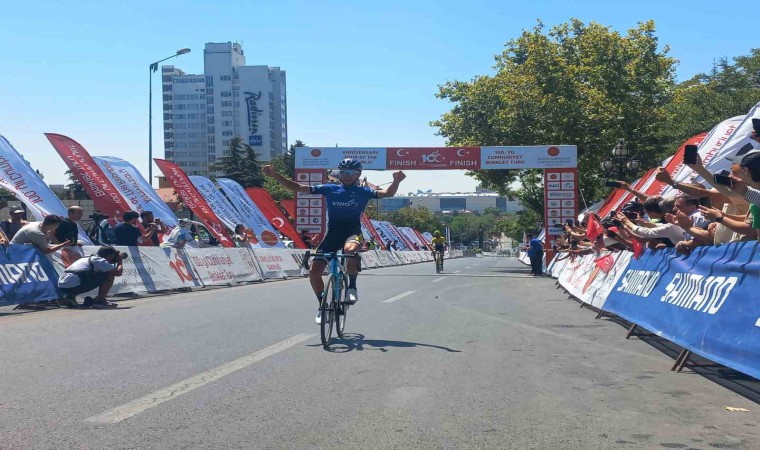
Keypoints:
pixel 327 310
pixel 342 308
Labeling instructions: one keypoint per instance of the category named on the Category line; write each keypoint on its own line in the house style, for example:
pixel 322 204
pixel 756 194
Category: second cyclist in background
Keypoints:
pixel 439 245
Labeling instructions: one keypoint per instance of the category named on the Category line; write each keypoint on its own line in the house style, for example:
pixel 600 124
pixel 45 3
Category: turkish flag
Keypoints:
pixel 638 247
pixel 594 229
pixel 274 215
pixel 605 263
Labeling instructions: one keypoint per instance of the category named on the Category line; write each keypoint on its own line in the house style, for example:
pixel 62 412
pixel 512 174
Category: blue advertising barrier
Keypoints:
pixel 708 303
pixel 25 276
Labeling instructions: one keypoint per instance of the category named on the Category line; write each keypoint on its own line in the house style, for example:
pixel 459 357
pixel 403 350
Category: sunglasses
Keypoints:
pixel 348 172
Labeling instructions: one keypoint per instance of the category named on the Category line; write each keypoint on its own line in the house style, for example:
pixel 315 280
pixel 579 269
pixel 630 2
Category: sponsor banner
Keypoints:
pixel 701 302
pixel 219 266
pixel 221 206
pixel 135 189
pixel 584 276
pixel 261 199
pixel 370 227
pixel 427 158
pixel 739 142
pixel 276 263
pixel 18 178
pixel 600 286
pixel 311 211
pixel 26 276
pixel 458 254
pixel 103 193
pixel 267 235
pixel 193 200
pixel 560 200
pixel 575 273
pixel 370 259
pixel 329 157
pixel 533 157
pixel 386 258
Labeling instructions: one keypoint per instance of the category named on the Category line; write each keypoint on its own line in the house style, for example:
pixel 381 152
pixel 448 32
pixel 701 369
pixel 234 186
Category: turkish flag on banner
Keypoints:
pixel 605 263
pixel 594 229
pixel 193 200
pixel 272 212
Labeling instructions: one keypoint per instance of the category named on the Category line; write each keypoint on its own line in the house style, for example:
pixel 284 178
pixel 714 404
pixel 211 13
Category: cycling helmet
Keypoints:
pixel 350 163
pixel 436 233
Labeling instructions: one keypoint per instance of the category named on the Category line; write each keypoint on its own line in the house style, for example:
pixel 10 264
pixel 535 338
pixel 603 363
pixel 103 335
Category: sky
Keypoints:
pixel 359 73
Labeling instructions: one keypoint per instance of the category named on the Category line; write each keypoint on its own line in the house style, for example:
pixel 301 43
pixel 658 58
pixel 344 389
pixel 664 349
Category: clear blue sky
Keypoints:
pixel 359 73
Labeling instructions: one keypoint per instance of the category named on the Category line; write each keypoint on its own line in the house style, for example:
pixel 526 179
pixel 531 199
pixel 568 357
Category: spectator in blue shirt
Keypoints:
pixel 536 255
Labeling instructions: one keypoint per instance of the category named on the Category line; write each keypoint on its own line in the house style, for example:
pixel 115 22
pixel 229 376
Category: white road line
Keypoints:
pixel 164 395
pixel 757 323
pixel 398 297
pixel 439 279
pixel 468 268
pixel 456 271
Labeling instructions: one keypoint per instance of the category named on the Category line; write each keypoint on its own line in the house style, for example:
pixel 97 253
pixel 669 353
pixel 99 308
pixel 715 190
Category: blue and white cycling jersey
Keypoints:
pixel 345 203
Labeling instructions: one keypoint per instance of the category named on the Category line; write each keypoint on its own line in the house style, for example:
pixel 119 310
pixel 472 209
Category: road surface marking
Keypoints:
pixel 135 407
pixel 399 297
pixel 757 323
pixel 456 271
pixel 439 279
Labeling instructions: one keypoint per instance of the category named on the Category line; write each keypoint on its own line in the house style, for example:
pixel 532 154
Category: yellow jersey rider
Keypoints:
pixel 439 242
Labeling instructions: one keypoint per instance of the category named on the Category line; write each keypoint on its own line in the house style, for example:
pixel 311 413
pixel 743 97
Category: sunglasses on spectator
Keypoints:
pixel 348 172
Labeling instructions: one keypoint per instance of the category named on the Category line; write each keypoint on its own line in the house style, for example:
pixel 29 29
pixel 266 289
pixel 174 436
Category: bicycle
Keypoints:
pixel 334 308
pixel 438 261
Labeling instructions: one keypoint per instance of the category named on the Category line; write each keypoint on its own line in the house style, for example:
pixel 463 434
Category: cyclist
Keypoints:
pixel 439 244
pixel 345 203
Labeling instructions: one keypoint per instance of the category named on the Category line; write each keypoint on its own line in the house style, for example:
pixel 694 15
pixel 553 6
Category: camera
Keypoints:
pixel 123 255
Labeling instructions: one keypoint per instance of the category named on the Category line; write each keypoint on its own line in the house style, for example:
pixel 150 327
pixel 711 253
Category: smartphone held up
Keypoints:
pixel 613 184
pixel 690 154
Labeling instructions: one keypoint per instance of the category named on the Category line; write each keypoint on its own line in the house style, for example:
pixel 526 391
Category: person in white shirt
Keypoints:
pixel 668 234
pixel 38 234
pixel 96 271
pixel 180 236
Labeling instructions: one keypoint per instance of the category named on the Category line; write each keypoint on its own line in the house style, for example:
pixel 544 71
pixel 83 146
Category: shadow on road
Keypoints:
pixel 356 341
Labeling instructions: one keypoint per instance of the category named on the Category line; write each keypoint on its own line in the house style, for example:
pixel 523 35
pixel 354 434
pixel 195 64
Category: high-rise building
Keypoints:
pixel 202 113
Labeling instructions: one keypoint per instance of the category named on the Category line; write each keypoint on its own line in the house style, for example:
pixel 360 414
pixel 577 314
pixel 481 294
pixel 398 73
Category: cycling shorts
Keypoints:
pixel 337 236
pixel 439 248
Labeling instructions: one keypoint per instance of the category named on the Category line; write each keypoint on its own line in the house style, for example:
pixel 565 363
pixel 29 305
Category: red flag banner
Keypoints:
pixel 272 212
pixel 371 228
pixel 193 200
pixel 290 207
pixel 594 229
pixel 100 189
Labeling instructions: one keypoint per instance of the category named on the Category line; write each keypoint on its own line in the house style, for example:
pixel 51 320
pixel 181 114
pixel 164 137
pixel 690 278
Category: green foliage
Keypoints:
pixel 527 221
pixel 75 190
pixel 285 164
pixel 577 84
pixel 240 163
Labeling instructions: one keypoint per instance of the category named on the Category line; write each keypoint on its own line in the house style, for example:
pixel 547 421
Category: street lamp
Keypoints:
pixel 151 69
pixel 620 166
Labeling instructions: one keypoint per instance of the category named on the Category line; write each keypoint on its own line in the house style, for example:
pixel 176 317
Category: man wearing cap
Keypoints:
pixel 11 226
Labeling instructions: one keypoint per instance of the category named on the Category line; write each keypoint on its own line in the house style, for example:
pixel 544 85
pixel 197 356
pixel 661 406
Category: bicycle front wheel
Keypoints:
pixel 327 310
pixel 342 307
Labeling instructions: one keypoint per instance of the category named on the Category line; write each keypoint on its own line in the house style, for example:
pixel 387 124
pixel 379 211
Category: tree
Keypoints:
pixel 75 190
pixel 527 221
pixel 578 84
pixel 419 218
pixel 707 99
pixel 240 163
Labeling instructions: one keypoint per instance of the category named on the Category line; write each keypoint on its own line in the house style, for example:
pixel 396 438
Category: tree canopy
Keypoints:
pixel 240 163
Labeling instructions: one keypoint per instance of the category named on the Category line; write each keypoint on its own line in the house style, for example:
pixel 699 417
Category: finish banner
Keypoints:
pixel 25 276
pixel 139 194
pixel 193 200
pixel 18 177
pixel 706 303
pixel 254 218
pixel 266 205
pixel 103 193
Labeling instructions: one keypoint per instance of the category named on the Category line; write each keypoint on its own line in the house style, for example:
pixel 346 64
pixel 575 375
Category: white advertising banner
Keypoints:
pixel 738 143
pixel 137 192
pixel 219 205
pixel 254 218
pixel 370 259
pixel 386 258
pixel 276 263
pixel 602 284
pixel 18 177
pixel 533 157
pixel 327 157
pixel 220 266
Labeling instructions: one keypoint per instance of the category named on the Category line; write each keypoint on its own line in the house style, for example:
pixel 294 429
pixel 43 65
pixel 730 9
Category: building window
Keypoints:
pixel 209 91
pixel 226 123
pixel 168 116
pixel 226 142
pixel 225 78
pixel 209 110
pixel 166 78
pixel 167 88
pixel 226 113
pixel 226 133
pixel 211 139
pixel 227 103
pixel 226 94
pixel 237 104
pixel 210 130
pixel 209 81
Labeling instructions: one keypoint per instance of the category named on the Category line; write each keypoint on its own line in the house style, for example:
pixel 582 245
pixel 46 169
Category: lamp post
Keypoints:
pixel 621 164
pixel 151 69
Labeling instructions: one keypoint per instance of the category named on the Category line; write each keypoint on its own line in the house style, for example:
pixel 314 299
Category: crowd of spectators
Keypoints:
pixel 720 209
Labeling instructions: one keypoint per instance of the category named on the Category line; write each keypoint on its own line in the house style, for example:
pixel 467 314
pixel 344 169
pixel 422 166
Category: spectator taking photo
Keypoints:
pixel 85 274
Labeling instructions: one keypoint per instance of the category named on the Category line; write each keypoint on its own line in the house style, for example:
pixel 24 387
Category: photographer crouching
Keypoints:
pixel 96 271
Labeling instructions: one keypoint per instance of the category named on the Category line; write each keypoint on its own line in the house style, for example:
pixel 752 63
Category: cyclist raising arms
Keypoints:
pixel 439 245
pixel 345 203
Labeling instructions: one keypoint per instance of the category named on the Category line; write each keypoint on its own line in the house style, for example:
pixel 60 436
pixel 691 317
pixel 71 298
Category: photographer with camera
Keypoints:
pixel 96 271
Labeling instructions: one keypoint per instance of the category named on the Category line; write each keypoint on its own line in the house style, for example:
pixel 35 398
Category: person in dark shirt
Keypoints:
pixel 127 232
pixel 147 219
pixel 68 229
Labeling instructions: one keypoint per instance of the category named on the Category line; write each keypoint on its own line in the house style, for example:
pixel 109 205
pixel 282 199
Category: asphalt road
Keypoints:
pixel 482 356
